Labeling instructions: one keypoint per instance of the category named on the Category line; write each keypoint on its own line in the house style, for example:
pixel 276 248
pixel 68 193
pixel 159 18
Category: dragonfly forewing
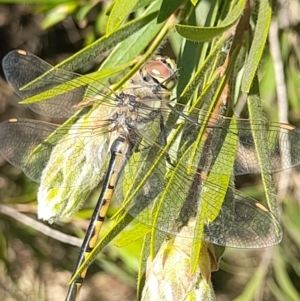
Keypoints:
pixel 21 68
pixel 282 141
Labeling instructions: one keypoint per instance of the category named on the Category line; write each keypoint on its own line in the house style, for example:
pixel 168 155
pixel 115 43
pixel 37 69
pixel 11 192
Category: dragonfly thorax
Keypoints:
pixel 126 115
pixel 131 112
pixel 146 96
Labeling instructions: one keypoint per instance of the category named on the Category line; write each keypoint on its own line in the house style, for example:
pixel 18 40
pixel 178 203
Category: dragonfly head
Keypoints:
pixel 161 71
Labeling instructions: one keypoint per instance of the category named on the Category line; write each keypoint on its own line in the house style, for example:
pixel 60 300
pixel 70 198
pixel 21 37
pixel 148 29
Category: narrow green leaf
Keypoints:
pixel 3 248
pixel 258 44
pixel 84 10
pixel 203 34
pixel 119 13
pixel 260 136
pixel 253 285
pixel 291 222
pixel 137 231
pixel 142 3
pixel 200 75
pixel 58 14
pixel 167 9
pixel 278 294
pixel 119 226
pixel 219 173
pixel 282 277
pixel 68 86
pixel 194 2
pixel 145 255
pixel 134 44
pixel 92 51
pixel 211 203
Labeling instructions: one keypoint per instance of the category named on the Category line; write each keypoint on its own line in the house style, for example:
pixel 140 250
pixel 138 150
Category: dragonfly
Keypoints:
pixel 144 150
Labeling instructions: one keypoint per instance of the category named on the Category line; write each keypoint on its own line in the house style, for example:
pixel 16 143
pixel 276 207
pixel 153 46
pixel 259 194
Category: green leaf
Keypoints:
pixel 3 248
pixel 282 277
pixel 58 14
pixel 222 174
pixel 142 3
pixel 211 203
pixel 68 86
pixel 92 51
pixel 145 255
pixel 120 11
pixel 200 77
pixel 194 2
pixel 119 226
pixel 203 34
pixel 167 9
pixel 258 44
pixel 260 136
pixel 133 45
pixel 137 231
pixel 84 10
pixel 253 285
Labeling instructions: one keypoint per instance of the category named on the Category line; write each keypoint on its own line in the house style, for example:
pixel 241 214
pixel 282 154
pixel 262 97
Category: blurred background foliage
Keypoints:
pixel 36 261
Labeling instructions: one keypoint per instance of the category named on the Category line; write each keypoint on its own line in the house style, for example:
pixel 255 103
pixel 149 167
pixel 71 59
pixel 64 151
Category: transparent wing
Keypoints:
pixel 21 68
pixel 243 222
pixel 167 203
pixel 19 138
pixel 29 144
pixel 166 196
pixel 282 141
pixel 68 161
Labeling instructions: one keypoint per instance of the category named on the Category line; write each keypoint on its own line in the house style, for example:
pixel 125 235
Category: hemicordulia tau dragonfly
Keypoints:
pixel 147 151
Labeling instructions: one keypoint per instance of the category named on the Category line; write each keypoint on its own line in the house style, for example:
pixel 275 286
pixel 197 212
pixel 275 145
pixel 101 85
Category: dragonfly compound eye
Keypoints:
pixel 163 71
